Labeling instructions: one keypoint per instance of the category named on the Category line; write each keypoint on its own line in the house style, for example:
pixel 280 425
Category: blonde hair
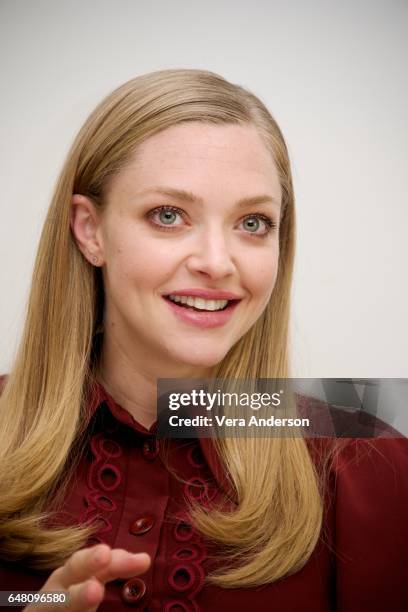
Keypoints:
pixel 277 521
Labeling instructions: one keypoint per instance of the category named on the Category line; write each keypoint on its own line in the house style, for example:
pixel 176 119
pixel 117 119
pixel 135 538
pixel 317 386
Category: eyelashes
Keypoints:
pixel 268 223
pixel 167 209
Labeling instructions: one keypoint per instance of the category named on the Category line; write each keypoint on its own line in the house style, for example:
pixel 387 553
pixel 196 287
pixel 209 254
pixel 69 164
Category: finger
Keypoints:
pixel 83 597
pixel 81 566
pixel 124 565
pixel 86 596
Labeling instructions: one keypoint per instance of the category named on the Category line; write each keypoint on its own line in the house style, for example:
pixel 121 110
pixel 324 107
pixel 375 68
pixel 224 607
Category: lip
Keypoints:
pixel 206 294
pixel 205 319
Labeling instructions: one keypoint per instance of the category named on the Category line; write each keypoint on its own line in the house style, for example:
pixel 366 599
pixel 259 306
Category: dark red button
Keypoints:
pixel 142 525
pixel 150 449
pixel 133 590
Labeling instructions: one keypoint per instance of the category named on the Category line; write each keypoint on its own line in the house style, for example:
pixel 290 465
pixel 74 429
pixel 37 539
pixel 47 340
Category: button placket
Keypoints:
pixel 143 511
pixel 150 448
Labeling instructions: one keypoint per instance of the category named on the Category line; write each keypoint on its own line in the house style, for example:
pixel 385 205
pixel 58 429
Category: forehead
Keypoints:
pixel 198 154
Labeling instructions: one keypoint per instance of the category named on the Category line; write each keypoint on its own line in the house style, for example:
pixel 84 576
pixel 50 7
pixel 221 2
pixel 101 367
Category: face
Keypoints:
pixel 189 240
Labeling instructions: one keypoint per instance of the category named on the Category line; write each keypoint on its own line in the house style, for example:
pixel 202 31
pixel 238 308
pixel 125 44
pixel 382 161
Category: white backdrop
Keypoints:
pixel 334 76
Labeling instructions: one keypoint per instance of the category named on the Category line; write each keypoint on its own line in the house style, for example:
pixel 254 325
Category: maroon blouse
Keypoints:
pixel 361 563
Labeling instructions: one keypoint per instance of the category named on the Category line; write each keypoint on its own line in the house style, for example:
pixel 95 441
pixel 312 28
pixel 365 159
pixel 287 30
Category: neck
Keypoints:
pixel 131 378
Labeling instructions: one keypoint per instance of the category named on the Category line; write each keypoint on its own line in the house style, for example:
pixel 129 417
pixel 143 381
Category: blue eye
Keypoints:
pixel 170 217
pixel 253 223
pixel 165 217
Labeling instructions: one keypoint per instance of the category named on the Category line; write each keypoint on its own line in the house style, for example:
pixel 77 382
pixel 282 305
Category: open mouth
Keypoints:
pixel 200 304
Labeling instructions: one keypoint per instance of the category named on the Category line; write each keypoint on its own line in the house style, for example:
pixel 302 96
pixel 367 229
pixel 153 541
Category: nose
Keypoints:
pixel 211 255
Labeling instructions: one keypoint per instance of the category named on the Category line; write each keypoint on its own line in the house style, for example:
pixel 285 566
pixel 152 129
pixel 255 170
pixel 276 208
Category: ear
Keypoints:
pixel 85 223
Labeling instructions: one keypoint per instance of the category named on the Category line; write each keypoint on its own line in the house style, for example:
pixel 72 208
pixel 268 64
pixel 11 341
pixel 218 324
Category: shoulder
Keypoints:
pixel 366 509
pixel 371 530
pixel 328 420
pixel 377 467
pixel 368 468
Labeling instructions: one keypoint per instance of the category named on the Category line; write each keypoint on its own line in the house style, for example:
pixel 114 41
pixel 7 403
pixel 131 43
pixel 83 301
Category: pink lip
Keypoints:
pixel 205 319
pixel 207 294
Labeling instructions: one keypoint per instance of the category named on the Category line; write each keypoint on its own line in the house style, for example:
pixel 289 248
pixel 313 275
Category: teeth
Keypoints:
pixel 198 302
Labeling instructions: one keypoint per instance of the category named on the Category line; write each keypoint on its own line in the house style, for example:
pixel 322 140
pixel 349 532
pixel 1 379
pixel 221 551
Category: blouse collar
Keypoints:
pixel 99 395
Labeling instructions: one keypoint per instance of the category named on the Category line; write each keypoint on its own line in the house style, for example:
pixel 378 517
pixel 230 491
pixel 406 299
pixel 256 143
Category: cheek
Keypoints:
pixel 261 274
pixel 138 262
pixel 155 263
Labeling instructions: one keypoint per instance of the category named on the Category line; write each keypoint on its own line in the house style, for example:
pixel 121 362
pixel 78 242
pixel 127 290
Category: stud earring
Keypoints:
pixel 95 260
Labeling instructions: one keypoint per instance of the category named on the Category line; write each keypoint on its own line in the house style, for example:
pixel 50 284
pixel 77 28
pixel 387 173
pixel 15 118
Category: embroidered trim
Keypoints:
pixel 187 575
pixel 179 605
pixel 195 457
pixel 200 490
pixel 103 477
pixel 183 531
pixel 190 552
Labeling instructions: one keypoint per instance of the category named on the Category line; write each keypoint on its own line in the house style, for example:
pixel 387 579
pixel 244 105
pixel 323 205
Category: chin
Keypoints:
pixel 202 359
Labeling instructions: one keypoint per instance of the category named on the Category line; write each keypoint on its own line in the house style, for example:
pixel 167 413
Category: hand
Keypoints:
pixel 84 576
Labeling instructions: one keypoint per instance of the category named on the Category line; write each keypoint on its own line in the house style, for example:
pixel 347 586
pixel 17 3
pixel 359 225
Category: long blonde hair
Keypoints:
pixel 277 521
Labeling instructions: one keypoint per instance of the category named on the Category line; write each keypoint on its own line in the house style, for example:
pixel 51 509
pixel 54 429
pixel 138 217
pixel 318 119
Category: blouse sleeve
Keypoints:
pixel 371 526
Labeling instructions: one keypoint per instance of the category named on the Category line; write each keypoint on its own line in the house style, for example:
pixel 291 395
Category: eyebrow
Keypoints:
pixel 191 198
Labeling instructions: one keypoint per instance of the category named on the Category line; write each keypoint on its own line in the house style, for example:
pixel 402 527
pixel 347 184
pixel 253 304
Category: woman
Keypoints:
pixel 178 189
